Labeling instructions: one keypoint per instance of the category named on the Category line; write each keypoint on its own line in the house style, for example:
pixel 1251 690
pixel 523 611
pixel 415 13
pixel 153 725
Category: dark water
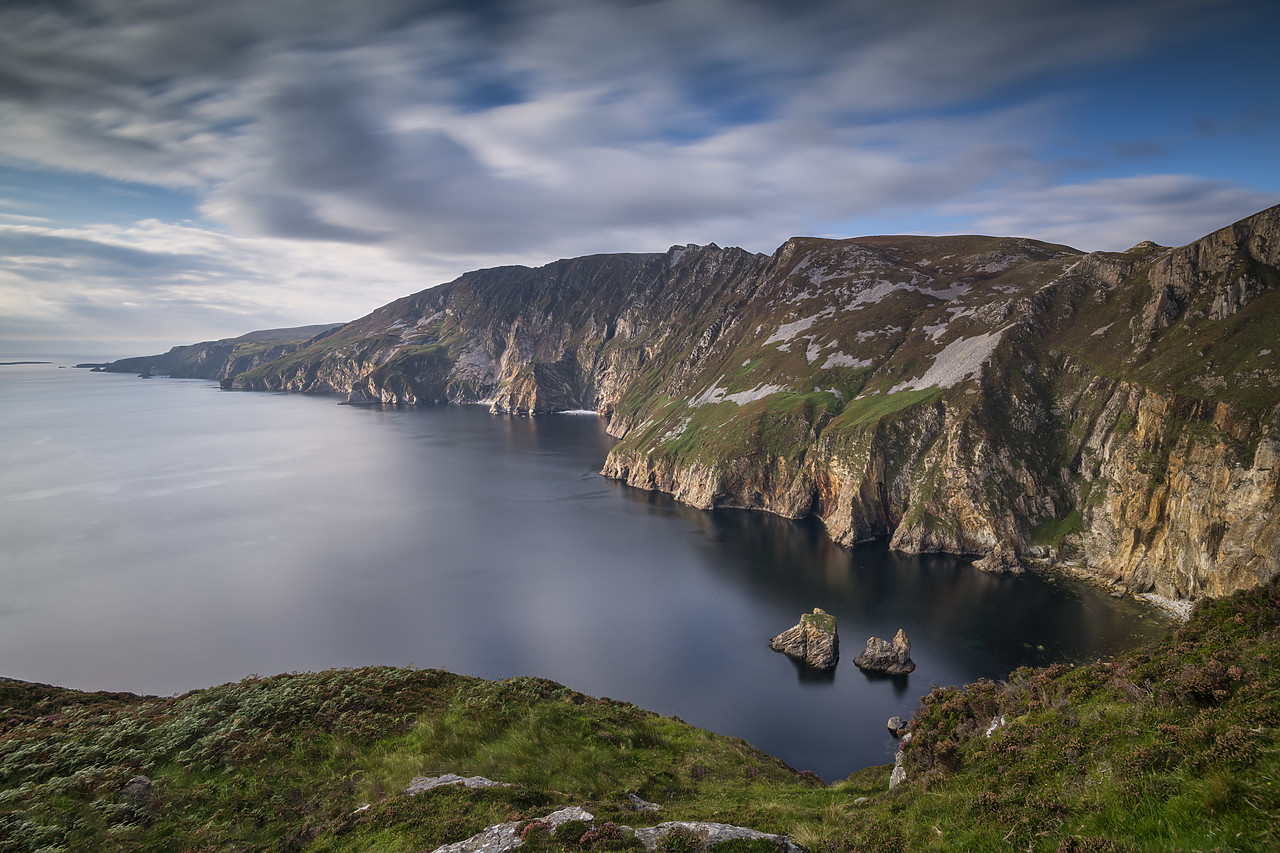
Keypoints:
pixel 162 535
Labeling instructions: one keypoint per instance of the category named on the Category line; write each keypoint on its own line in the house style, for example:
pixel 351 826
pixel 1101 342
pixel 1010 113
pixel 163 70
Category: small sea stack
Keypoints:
pixel 813 640
pixel 891 658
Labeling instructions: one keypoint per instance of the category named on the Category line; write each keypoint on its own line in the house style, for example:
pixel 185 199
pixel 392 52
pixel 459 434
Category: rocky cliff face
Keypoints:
pixel 974 395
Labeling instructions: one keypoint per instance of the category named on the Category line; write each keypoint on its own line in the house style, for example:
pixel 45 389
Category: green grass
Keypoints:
pixel 876 407
pixel 821 620
pixel 1051 531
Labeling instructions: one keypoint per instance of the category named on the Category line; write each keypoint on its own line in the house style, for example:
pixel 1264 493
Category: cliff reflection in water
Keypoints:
pixel 163 535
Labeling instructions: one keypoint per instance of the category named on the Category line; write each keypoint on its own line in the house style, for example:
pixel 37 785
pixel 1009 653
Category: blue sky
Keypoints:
pixel 179 170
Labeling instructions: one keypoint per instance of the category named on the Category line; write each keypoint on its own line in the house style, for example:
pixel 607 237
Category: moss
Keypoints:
pixel 821 620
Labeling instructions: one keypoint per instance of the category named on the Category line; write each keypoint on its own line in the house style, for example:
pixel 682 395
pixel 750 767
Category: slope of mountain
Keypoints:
pixel 219 359
pixel 1119 412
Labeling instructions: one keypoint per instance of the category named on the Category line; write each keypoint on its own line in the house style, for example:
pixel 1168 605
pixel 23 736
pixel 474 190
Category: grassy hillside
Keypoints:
pixel 1169 748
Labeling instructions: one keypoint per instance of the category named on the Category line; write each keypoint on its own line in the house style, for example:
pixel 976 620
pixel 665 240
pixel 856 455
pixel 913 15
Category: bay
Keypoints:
pixel 163 535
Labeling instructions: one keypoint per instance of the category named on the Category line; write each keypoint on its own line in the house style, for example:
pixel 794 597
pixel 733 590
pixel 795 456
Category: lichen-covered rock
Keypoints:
pixel 813 640
pixel 426 783
pixel 710 834
pixel 897 726
pixel 891 658
pixel 504 837
pixel 636 804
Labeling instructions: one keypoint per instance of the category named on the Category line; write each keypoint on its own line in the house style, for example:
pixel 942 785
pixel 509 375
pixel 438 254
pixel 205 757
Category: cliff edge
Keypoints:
pixel 1115 412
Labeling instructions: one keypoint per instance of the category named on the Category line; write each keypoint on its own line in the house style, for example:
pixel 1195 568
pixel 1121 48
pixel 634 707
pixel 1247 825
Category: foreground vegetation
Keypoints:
pixel 1172 747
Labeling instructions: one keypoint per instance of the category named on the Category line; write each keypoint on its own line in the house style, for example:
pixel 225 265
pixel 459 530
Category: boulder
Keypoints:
pixel 139 793
pixel 636 804
pixel 707 835
pixel 505 837
pixel 890 658
pixel 897 726
pixel 426 783
pixel 814 640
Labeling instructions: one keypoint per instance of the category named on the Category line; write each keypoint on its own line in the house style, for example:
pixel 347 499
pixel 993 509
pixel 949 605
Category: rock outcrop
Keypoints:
pixel 1001 561
pixel 891 658
pixel 899 773
pixel 1002 398
pixel 814 640
pixel 505 837
pixel 420 784
pixel 708 835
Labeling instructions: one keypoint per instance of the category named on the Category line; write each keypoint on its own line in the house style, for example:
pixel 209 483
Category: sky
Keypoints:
pixel 182 170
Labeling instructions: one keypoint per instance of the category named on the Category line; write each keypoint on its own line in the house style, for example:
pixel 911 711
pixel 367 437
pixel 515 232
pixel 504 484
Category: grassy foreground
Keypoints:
pixel 1170 748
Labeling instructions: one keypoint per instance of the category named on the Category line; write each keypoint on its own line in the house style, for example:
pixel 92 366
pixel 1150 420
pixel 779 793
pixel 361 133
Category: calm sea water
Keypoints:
pixel 162 535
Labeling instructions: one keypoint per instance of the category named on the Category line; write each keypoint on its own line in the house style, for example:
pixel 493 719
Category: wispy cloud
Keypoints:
pixel 400 135
pixel 1116 213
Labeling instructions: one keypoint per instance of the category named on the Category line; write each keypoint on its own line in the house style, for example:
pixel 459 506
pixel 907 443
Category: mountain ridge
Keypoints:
pixel 221 358
pixel 1114 412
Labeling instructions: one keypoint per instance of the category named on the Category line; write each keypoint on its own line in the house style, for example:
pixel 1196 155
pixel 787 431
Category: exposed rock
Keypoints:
pixel 710 834
pixel 426 783
pixel 897 726
pixel 504 837
pixel 892 658
pixel 139 792
pixel 996 723
pixel 899 774
pixel 1038 398
pixel 1001 561
pixel 1234 297
pixel 813 640
pixel 636 804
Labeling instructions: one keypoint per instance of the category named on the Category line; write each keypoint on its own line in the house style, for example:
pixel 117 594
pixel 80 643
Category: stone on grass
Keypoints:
pixel 710 834
pixel 426 783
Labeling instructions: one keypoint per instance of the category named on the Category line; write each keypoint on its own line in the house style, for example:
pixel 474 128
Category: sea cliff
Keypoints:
pixel 1114 412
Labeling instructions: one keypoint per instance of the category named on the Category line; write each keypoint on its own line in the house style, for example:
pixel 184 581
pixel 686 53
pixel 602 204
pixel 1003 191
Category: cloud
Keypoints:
pixel 1114 214
pixel 155 281
pixel 392 116
pixel 364 141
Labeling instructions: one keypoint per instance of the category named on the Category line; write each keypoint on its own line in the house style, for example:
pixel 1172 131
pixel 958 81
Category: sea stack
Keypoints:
pixel 813 640
pixel 890 658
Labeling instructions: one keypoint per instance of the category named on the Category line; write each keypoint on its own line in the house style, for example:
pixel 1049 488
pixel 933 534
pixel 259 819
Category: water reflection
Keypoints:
pixel 161 536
